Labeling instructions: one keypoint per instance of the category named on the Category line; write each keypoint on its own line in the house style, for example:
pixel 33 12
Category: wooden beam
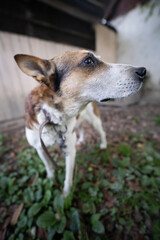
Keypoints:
pixel 110 8
pixel 40 20
pixel 72 10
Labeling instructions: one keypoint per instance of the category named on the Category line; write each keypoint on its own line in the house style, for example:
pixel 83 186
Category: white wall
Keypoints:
pixel 139 43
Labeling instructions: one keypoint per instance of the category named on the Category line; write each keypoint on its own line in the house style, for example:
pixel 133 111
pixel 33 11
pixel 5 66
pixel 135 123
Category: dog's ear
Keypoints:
pixel 40 69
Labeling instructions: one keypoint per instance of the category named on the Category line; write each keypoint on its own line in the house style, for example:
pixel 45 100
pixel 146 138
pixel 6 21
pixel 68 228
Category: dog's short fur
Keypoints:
pixel 68 84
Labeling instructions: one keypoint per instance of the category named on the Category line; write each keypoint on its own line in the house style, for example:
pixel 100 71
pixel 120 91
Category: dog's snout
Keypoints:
pixel 141 72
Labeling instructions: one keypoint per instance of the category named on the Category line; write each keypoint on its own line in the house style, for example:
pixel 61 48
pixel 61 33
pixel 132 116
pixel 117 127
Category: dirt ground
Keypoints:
pixel 120 120
pixel 116 122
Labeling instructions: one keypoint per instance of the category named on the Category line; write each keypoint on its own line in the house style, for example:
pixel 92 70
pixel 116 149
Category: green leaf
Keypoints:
pixel 104 183
pixel 22 222
pixel 38 194
pixel 75 222
pixel 117 186
pixel 61 225
pixel 122 221
pixel 47 197
pixel 68 201
pixel 46 219
pixel 98 227
pixel 58 203
pixel 86 185
pixel 103 211
pixel 89 207
pixel 125 162
pixel 51 233
pixel 93 191
pixel 125 150
pixel 36 207
pixel 68 236
pixel 95 217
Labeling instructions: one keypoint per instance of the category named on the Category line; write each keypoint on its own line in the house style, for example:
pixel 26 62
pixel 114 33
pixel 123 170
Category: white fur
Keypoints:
pixel 113 81
pixel 88 115
pixel 50 137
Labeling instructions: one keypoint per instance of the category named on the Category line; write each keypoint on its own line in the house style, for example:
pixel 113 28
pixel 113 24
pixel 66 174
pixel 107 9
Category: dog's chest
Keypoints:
pixel 53 134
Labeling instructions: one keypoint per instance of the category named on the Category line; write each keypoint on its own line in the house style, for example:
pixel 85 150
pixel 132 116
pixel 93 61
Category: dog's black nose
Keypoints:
pixel 141 72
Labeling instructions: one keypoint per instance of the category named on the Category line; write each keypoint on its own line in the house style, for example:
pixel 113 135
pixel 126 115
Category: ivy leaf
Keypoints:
pixel 125 162
pixel 104 183
pixel 61 225
pixel 117 186
pixel 95 217
pixel 22 222
pixel 46 219
pixel 68 236
pixel 89 208
pixel 68 201
pixel 98 227
pixel 75 222
pixel 51 233
pixel 58 203
pixel 47 197
pixel 36 207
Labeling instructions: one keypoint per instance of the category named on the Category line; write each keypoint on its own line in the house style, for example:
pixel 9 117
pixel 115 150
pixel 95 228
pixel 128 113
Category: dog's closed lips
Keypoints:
pixel 105 100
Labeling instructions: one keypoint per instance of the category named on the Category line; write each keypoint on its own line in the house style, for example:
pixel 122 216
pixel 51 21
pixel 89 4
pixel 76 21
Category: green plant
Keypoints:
pixel 157 119
pixel 3 149
pixel 121 192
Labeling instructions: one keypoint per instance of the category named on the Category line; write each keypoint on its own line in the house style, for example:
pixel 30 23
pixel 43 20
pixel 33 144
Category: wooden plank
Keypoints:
pixel 38 19
pixel 106 45
pixel 6 75
pixel 15 85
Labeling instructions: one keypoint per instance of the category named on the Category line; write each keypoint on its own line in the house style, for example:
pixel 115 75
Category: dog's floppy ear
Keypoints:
pixel 38 68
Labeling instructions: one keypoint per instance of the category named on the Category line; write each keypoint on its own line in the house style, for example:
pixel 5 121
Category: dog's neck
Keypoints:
pixel 60 109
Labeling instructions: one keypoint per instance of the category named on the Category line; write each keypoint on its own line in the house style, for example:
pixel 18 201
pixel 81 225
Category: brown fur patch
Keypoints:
pixel 77 117
pixel 39 94
pixel 95 109
pixel 74 76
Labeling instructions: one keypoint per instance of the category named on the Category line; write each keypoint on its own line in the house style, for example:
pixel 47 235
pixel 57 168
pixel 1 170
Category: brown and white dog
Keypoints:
pixel 68 84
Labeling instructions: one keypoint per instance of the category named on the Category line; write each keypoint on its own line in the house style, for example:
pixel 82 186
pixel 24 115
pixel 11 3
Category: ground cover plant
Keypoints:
pixel 115 195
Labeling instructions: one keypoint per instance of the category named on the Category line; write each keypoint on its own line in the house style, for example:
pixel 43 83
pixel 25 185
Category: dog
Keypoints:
pixel 69 84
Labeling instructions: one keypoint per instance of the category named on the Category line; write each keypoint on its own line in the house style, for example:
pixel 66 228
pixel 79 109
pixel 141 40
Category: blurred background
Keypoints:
pixel 120 31
pixel 116 192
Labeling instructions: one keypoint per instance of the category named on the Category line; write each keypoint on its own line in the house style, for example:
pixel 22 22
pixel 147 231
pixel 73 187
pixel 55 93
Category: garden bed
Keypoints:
pixel 115 195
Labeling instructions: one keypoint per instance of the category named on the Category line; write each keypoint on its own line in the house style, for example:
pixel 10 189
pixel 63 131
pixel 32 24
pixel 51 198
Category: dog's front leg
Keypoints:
pixel 70 152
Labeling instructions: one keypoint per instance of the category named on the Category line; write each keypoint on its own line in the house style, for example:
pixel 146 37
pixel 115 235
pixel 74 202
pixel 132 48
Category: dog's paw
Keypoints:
pixel 65 194
pixel 103 145
pixel 78 143
pixel 50 174
pixel 66 191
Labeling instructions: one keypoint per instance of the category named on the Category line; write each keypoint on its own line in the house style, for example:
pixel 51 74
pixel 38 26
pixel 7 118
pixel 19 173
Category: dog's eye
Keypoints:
pixel 88 61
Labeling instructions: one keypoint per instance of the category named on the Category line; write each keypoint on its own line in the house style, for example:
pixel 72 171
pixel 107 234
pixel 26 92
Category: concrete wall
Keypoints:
pixel 139 44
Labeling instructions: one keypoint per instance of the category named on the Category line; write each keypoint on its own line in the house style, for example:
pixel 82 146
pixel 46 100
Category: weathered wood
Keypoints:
pixel 37 19
pixel 15 85
pixel 106 45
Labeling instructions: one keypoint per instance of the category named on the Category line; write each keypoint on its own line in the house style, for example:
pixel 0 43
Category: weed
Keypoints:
pixel 125 150
pixel 157 119
pixel 122 192
pixel 2 148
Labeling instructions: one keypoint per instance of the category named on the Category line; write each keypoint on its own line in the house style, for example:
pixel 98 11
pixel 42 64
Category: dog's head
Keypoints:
pixel 80 76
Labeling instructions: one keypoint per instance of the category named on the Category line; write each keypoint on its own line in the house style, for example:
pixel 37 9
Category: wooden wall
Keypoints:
pixel 15 85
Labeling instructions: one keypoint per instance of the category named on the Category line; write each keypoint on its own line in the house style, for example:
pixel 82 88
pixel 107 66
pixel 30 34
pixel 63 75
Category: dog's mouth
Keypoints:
pixel 105 99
